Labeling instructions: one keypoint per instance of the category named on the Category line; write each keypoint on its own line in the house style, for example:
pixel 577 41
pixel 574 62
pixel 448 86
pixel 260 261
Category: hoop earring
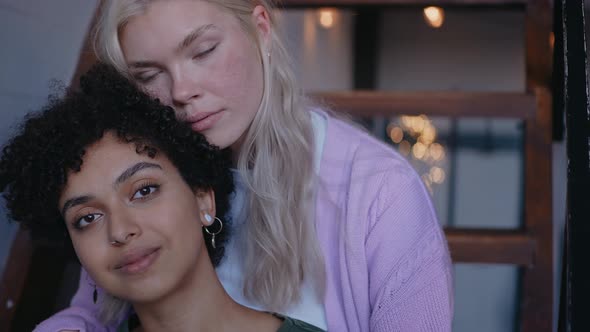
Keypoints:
pixel 94 293
pixel 214 233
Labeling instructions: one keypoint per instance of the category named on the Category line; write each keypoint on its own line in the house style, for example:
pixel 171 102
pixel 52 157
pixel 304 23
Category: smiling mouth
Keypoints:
pixel 138 264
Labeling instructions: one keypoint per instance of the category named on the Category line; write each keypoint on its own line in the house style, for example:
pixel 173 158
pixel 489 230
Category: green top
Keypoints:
pixel 295 325
pixel 289 325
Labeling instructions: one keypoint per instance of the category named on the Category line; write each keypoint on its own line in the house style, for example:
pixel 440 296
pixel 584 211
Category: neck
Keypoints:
pixel 235 152
pixel 200 303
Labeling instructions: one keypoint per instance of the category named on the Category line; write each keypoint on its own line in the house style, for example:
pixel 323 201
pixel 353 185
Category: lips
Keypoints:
pixel 137 260
pixel 205 120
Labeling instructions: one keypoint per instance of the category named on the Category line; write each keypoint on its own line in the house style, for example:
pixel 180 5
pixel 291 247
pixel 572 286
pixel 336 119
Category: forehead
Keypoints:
pixel 163 23
pixel 105 159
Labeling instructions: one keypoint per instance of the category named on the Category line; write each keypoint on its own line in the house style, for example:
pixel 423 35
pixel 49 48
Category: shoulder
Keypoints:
pixel 374 186
pixel 380 191
pixel 354 158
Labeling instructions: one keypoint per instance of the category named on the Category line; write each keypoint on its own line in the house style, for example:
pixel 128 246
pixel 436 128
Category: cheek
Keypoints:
pixel 161 90
pixel 89 254
pixel 239 76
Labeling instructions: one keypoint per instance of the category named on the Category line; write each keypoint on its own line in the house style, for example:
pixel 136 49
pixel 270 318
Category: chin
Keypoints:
pixel 139 292
pixel 145 296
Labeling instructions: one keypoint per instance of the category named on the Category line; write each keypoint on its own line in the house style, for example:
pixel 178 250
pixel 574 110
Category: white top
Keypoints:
pixel 230 273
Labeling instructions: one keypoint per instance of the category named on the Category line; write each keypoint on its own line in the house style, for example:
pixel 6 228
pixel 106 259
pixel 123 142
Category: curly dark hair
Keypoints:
pixel 52 142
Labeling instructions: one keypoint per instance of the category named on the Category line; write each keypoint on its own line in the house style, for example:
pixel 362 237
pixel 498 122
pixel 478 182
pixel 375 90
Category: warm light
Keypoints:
pixel 419 150
pixel 434 16
pixel 415 124
pixel 428 182
pixel 326 18
pixel 404 148
pixel 437 152
pixel 428 134
pixel 396 134
pixel 437 175
pixel 552 40
pixel 419 123
pixel 406 121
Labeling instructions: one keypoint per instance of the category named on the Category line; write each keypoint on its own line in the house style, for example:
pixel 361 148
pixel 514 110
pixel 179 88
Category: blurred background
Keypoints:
pixel 474 81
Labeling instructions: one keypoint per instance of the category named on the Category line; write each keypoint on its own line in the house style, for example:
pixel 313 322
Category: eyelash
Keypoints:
pixel 144 80
pixel 78 220
pixel 145 185
pixel 203 54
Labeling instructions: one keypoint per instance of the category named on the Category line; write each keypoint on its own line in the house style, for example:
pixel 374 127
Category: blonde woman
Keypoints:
pixel 331 226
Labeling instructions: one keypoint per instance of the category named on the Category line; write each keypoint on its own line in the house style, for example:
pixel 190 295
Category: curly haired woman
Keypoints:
pixel 142 198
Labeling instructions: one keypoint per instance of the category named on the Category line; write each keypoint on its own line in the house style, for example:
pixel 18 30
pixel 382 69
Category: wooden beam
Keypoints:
pixel 537 305
pixel 446 104
pixel 357 3
pixel 490 246
pixel 539 55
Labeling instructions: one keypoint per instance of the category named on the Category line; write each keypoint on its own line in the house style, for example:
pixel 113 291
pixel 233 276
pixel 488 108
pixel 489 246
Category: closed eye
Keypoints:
pixel 146 77
pixel 206 52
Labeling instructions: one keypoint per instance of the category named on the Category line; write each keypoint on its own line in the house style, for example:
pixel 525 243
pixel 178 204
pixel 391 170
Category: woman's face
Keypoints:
pixel 134 222
pixel 197 58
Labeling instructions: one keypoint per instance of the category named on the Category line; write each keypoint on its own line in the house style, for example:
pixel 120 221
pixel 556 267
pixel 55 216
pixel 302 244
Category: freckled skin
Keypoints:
pixel 228 78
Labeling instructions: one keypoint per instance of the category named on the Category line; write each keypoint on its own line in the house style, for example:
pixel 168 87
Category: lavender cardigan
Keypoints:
pixel 387 262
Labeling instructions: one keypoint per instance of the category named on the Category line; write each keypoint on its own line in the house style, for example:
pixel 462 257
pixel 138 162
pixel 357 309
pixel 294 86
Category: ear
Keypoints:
pixel 206 205
pixel 261 21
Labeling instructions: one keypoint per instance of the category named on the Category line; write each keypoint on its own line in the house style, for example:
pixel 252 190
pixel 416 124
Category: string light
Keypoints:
pixel 437 175
pixel 434 16
pixel 428 134
pixel 437 152
pixel 396 134
pixel 405 147
pixel 419 150
pixel 416 136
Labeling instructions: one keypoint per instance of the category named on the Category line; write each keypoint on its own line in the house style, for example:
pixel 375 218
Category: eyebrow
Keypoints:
pixel 129 172
pixel 143 64
pixel 191 37
pixel 70 203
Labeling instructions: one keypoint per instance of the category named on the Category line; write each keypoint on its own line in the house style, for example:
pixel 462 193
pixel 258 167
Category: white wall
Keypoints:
pixel 40 42
pixel 322 57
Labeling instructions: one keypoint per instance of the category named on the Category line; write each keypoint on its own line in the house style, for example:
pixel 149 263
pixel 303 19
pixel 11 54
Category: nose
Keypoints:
pixel 123 228
pixel 185 88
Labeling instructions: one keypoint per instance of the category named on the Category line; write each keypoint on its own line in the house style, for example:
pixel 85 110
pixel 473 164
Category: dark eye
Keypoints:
pixel 145 191
pixel 86 220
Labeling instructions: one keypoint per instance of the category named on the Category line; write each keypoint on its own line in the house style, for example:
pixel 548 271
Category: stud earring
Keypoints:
pixel 208 218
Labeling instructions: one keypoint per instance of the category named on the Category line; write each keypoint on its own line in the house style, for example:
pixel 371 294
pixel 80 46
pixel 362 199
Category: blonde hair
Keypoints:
pixel 275 162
